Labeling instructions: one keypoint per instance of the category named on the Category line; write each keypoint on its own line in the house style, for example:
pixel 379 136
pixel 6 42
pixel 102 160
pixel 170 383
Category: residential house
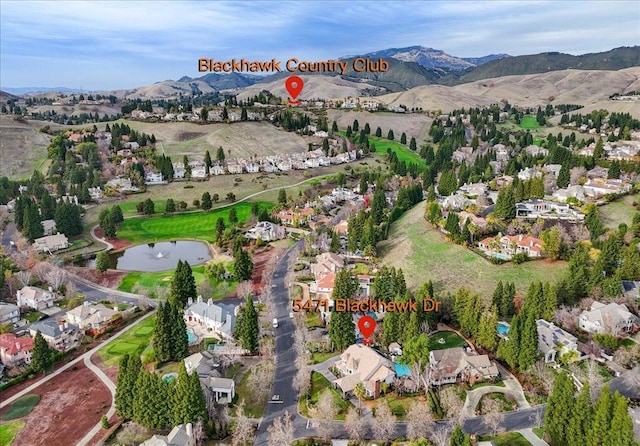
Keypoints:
pixel 576 191
pixel 475 220
pixel 51 243
pixel 552 169
pixel 222 389
pixel 612 318
pixel 506 246
pixel 554 341
pixel 533 209
pixel 599 187
pixel 9 313
pixel 296 217
pixel 504 180
pixel 323 287
pixel 216 170
pixel 366 283
pixel 342 227
pixel 180 435
pixel 252 167
pixel 534 150
pixel 33 297
pixel 362 364
pixel 474 189
pixel 234 167
pixel 59 334
pixel 266 231
pixel 455 364
pixel 199 172
pixel 179 171
pixel 219 318
pixel 153 178
pixel 49 227
pixel 528 173
pixel 94 319
pixel 327 262
pixel 455 202
pixel 14 350
pixel 631 288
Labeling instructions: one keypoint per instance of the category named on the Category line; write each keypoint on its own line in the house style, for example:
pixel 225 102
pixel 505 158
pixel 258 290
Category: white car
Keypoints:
pixel 291 315
pixel 275 323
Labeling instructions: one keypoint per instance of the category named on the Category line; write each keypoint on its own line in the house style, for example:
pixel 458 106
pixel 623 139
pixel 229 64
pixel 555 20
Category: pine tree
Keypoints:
pixel 161 334
pixel 614 170
pixel 102 261
pixel 150 404
pixel 378 206
pixel 497 295
pixel 116 214
pixel 563 176
pixel 378 132
pixel 183 286
pixel 507 304
pixel 550 297
pixel 559 409
pixel 243 266
pixel 249 331
pixel 207 161
pixel 488 329
pixel 335 242
pixel 41 355
pixel 390 135
pixel 342 330
pixel 233 217
pixel 621 432
pixel 457 437
pixel 205 202
pixel 403 138
pixel 412 144
pixel 177 332
pixel 581 418
pixel 603 411
pixel 505 204
pixel 528 348
pixel 170 206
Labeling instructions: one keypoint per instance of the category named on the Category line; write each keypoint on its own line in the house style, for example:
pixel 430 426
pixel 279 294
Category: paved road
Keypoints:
pixel 87 355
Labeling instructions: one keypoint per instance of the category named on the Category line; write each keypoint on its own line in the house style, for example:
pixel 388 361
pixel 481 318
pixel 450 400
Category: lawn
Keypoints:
pixel 313 319
pixel 424 254
pixel 134 341
pixel 197 225
pixel 253 407
pixel 398 404
pixel 318 357
pixel 164 278
pixel 21 407
pixel 318 384
pixel 451 339
pixel 9 431
pixel 529 122
pixel 403 152
pixel 508 439
pixel 619 211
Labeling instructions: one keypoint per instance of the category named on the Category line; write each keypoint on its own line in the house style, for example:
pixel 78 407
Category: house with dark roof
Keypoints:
pixel 59 334
pixel 554 341
pixel 452 365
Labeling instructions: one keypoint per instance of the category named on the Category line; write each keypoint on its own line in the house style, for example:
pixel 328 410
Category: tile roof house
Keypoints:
pixel 94 319
pixel 33 297
pixel 323 286
pixel 506 246
pixel 51 243
pixel 59 334
pixel 609 318
pixel 327 262
pixel 9 313
pixel 553 340
pixel 342 227
pixel 219 318
pixel 455 364
pixel 15 350
pixel 362 364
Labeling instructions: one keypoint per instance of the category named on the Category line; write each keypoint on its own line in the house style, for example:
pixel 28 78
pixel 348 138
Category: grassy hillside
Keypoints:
pixel 22 147
pixel 424 255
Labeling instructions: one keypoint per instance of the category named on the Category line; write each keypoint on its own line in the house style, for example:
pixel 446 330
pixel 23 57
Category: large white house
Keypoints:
pixel 219 318
pixel 36 298
pixel 612 318
pixel 554 341
pixel 362 364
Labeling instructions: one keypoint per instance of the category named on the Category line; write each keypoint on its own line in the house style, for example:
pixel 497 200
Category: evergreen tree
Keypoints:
pixel 183 286
pixel 551 242
pixel 220 227
pixel 614 170
pixel 162 335
pixel 621 432
pixel 564 176
pixel 282 197
pixel 108 226
pixel 412 144
pixel 467 308
pixel 341 326
pixel 390 135
pixel 431 194
pixel 602 416
pixel 250 331
pixel 378 132
pixel 378 206
pixel 47 206
pixel 177 330
pixel 41 355
pixel 205 202
pixel 488 330
pixel 116 214
pixel 220 155
pixel 170 206
pixel 497 295
pixel 559 408
pixel 403 138
pixel 528 348
pixel 505 207
pixel 125 387
pixel 148 207
pixel 233 217
pixel 243 266
pixel 208 163
pixel 448 183
pixel 102 261
pixel 335 242
pixel 581 418
pixel 508 348
pixel 458 438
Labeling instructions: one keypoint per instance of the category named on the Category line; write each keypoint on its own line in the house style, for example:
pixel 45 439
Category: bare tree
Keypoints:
pixel 163 292
pixel 384 426
pixel 204 289
pixel 326 411
pixel 567 317
pixel 418 419
pixel 592 375
pixel 281 431
pixel 244 289
pixel 355 425
pixel 544 375
pixel 56 277
pixel 259 377
pixel 24 277
pixel 450 401
pixel 40 271
pixel 493 420
pixel 198 433
pixel 243 429
pixel 440 433
pixel 70 288
pixel 576 173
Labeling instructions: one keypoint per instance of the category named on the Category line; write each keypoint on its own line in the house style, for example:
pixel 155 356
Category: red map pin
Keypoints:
pixel 367 325
pixel 294 85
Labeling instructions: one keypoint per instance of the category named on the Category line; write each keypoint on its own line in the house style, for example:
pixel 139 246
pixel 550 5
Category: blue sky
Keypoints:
pixel 112 45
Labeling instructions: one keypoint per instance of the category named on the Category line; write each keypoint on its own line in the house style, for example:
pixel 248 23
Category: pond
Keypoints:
pixel 162 256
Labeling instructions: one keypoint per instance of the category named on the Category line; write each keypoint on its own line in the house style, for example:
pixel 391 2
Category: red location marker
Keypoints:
pixel 294 86
pixel 367 325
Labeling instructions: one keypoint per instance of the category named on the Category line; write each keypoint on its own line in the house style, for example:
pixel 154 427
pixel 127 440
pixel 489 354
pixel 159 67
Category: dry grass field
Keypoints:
pixel 22 147
pixel 413 124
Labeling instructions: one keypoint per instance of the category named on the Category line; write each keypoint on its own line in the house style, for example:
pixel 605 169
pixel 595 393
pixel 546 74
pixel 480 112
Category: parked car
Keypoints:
pixel 275 323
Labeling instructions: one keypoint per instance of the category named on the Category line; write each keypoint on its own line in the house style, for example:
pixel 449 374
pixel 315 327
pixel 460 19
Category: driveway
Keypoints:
pixel 511 388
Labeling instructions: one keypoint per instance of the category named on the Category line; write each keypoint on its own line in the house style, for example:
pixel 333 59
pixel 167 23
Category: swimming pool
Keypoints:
pixel 503 328
pixel 191 337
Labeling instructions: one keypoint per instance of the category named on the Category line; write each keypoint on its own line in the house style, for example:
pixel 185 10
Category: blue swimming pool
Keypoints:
pixel 191 337
pixel 503 328
pixel 402 370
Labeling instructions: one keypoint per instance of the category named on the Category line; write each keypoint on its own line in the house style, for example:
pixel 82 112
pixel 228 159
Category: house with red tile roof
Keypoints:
pixel 506 246
pixel 14 350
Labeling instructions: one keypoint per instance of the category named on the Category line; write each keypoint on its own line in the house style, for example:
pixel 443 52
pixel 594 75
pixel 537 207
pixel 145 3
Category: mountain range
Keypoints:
pixel 410 67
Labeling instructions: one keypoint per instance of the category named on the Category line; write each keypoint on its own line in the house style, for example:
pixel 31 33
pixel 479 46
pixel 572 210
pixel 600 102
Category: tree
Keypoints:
pixel 326 412
pixel 233 217
pixel 505 204
pixel 248 326
pixel 412 144
pixel 603 414
pixel 448 183
pixel 128 371
pixel 205 202
pixel 378 206
pixel 282 197
pixel 581 418
pixel 183 285
pixel 360 392
pixel 148 207
pixel 220 227
pixel 458 438
pixel 243 265
pixel 208 163
pixel 281 432
pixel 390 135
pixel 355 425
pixel 220 155
pixel 189 404
pixel 102 261
pixel 559 408
pixel 108 226
pixel 614 170
pixel 68 219
pixel 384 426
pixel 243 428
pixel 621 432
pixel 488 329
pixel 41 355
pixel 416 356
pixel 564 176
pixel 403 138
pixel 418 418
pixel 551 242
pixel 116 214
pixel 170 207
